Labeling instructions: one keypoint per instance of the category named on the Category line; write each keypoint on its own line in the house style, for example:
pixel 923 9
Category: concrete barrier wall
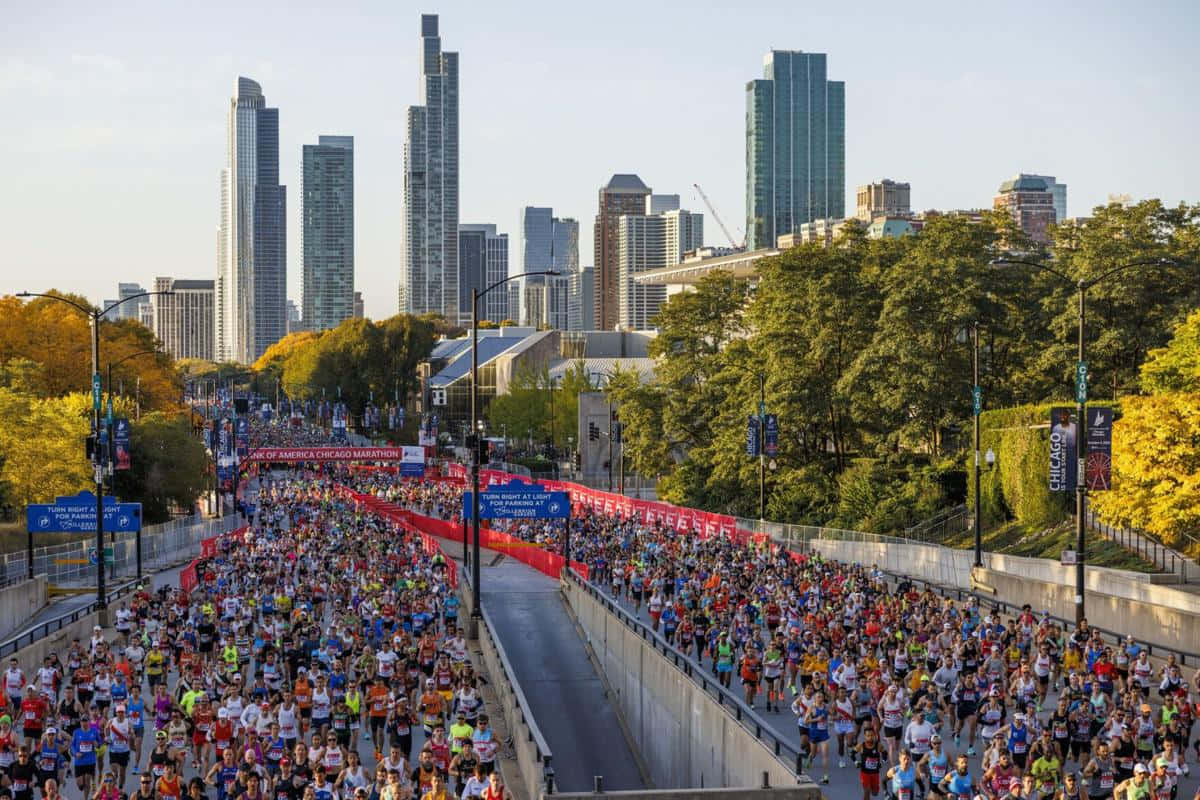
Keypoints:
pixel 952 568
pixel 686 736
pixel 1144 621
pixel 806 792
pixel 59 641
pixel 19 602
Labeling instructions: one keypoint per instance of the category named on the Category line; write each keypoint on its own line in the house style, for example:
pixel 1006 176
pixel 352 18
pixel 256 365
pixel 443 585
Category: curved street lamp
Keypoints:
pixel 476 294
pixel 94 315
pixel 1081 285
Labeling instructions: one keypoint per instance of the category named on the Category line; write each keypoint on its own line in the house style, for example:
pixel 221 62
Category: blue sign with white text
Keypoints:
pixel 518 500
pixel 77 514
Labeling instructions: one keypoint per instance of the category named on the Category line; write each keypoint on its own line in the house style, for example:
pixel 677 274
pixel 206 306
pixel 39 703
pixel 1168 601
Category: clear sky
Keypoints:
pixel 114 113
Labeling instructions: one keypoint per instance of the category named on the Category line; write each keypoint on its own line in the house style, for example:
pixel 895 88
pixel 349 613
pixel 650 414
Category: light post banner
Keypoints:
pixel 121 431
pixel 771 434
pixel 1099 451
pixel 1063 450
pixel 752 436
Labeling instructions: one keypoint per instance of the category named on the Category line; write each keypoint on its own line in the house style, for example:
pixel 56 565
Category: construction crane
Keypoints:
pixel 708 204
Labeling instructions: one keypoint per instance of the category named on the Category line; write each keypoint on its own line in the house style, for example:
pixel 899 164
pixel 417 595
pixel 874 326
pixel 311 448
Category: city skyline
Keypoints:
pixel 327 232
pixel 956 121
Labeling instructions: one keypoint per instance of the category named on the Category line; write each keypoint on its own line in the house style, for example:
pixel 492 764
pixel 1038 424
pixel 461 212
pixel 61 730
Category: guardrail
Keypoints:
pixel 70 562
pixel 44 629
pixel 940 525
pixel 541 748
pixel 747 717
pixel 1146 547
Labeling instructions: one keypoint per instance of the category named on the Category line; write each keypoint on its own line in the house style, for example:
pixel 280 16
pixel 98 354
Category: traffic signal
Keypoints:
pixel 90 446
pixel 616 432
pixel 484 450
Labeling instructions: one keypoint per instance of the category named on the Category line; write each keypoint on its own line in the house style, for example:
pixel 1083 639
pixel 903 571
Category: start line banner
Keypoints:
pixel 292 454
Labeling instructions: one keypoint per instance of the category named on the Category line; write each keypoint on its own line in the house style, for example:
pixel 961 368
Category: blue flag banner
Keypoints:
pixel 518 500
pixel 771 434
pixel 77 514
pixel 121 434
pixel 243 436
pixel 1099 450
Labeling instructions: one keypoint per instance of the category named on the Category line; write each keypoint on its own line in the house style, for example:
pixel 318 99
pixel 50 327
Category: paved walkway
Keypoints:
pixel 566 694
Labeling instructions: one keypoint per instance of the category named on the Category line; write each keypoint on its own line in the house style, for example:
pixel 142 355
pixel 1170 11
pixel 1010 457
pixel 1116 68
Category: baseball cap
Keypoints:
pixel 1015 783
pixel 1139 767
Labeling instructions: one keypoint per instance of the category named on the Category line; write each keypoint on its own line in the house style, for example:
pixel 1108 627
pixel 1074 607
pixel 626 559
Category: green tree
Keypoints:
pixel 524 412
pixel 1176 367
pixel 168 467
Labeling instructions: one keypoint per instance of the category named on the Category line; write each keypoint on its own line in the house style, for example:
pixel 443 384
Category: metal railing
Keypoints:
pixel 939 526
pixel 543 752
pixel 13 645
pixel 71 563
pixel 762 729
pixel 1147 548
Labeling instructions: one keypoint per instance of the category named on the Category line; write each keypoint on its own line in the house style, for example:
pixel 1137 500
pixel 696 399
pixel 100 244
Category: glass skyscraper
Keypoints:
pixel 429 270
pixel 251 285
pixel 327 232
pixel 483 260
pixel 795 147
pixel 547 243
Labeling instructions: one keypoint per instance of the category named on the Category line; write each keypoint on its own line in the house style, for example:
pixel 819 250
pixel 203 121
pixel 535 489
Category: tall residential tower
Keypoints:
pixel 622 195
pixel 795 147
pixel 251 285
pixel 327 232
pixel 429 270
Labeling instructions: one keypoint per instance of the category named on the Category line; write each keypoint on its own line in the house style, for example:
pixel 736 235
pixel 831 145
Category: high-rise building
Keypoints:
pixel 294 323
pixel 183 320
pixel 145 313
pixel 1058 191
pixel 483 259
pixel 327 232
pixel 124 292
pixel 646 242
pixel 1031 204
pixel 251 285
pixel 884 198
pixel 429 270
pixel 547 243
pixel 623 195
pixel 359 308
pixel 581 300
pixel 795 147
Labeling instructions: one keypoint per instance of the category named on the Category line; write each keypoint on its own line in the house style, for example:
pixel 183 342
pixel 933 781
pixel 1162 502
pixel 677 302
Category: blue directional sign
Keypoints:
pixel 77 514
pixel 519 501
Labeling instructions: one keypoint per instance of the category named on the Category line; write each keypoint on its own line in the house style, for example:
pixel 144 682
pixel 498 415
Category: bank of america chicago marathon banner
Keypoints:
pixel 406 454
pixel 677 518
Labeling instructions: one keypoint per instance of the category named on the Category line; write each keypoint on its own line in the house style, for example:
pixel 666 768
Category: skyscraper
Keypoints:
pixel 623 195
pixel 251 285
pixel 646 242
pixel 547 243
pixel 429 270
pixel 327 232
pixel 581 300
pixel 183 321
pixel 1058 191
pixel 1030 202
pixel 795 147
pixel 124 292
pixel 483 259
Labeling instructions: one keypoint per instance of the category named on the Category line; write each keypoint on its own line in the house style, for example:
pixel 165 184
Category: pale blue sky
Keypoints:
pixel 114 113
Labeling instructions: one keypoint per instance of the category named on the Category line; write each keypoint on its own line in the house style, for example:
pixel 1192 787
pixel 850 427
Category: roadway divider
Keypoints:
pixel 545 562
pixel 690 730
pixel 189 579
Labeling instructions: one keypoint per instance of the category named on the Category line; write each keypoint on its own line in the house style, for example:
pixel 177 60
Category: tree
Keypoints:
pixel 1176 367
pixel 1156 468
pixel 524 412
pixel 168 467
pixel 42 440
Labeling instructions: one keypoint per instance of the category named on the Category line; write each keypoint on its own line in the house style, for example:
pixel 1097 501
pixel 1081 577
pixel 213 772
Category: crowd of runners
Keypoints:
pixel 319 659
pixel 905 686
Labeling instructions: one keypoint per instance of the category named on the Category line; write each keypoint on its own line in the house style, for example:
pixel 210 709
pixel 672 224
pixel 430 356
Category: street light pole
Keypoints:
pixel 97 468
pixel 762 448
pixel 1081 441
pixel 977 402
pixel 476 294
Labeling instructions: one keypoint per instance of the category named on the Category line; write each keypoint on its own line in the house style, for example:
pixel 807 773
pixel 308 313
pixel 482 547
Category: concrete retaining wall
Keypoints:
pixel 59 641
pixel 1147 622
pixel 686 737
pixel 806 792
pixel 19 602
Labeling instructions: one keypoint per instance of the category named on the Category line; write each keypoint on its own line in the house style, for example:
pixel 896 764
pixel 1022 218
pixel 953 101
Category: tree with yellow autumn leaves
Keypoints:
pixel 1156 447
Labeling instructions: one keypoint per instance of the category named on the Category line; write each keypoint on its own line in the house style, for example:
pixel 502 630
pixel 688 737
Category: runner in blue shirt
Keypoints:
pixel 83 752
